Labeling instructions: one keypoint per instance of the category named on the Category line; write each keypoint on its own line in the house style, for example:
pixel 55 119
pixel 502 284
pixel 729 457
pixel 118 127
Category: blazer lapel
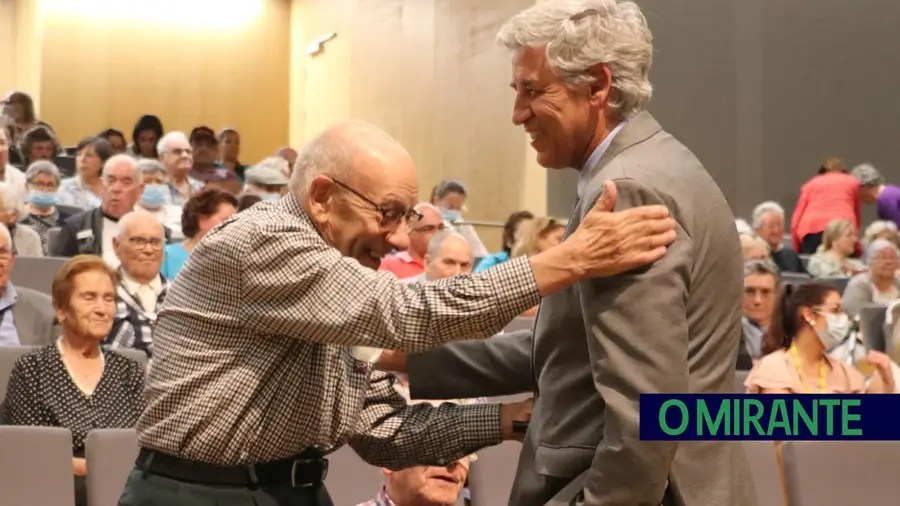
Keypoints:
pixel 97 227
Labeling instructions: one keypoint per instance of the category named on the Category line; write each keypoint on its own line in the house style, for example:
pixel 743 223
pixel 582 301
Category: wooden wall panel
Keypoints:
pixel 20 47
pixel 431 74
pixel 101 72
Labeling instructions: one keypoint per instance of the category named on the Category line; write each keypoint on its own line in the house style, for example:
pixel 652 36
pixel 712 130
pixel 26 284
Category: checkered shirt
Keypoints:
pixel 253 349
pixel 133 326
pixel 381 499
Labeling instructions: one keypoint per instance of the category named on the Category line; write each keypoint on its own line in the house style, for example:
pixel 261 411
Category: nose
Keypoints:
pixel 521 111
pixel 399 238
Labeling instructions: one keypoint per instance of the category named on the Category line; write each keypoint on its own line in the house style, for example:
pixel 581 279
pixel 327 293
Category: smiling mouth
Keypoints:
pixel 448 479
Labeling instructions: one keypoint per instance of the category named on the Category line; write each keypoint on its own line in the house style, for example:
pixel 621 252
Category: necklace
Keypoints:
pixel 823 371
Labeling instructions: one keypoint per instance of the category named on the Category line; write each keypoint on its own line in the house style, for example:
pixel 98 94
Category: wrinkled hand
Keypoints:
pixel 392 361
pixel 608 243
pixel 515 412
pixel 882 364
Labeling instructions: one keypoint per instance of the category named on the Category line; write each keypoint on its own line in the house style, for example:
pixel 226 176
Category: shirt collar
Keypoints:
pixel 405 257
pixel 585 177
pixel 132 285
pixel 9 296
pixel 382 499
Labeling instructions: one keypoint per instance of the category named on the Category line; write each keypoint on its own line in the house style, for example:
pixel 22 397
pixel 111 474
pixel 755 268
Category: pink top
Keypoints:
pixel 776 370
pixel 826 197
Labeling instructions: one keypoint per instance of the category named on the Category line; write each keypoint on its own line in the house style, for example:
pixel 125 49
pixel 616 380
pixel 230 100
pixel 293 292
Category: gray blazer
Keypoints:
pixel 34 317
pixel 673 327
pixel 859 293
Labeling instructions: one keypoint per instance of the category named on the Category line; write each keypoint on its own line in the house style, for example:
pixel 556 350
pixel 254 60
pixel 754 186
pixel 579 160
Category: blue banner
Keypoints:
pixel 744 417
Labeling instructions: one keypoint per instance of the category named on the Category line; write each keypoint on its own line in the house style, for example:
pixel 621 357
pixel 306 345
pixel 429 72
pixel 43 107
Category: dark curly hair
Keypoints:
pixel 202 204
pixel 37 134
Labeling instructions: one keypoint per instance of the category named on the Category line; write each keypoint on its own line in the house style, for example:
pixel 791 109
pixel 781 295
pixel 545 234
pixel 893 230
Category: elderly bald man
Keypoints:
pixel 260 365
pixel 449 254
pixel 411 263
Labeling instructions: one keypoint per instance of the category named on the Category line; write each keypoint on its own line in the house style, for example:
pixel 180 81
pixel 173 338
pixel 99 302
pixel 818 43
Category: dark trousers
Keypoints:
pixel 810 243
pixel 144 489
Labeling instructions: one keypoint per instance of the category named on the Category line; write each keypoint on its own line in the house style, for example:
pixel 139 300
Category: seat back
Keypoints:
pixel 350 480
pixel 36 273
pixel 871 324
pixel 53 239
pixel 36 466
pixel 794 278
pixel 764 468
pixel 491 476
pixel 8 357
pixel 69 209
pixel 837 283
pixel 820 473
pixel 110 456
pixel 520 323
pixel 133 354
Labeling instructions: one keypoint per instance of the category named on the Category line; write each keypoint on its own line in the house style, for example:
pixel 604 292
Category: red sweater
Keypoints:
pixel 826 197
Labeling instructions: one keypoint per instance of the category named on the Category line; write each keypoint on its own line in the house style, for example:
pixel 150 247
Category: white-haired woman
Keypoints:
pixel 26 241
pixel 832 259
pixel 881 229
pixel 877 286
pixel 754 248
pixel 41 213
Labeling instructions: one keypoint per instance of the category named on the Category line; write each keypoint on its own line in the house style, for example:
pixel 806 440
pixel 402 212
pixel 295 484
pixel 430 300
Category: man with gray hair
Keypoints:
pixel 177 156
pixel 580 75
pixel 768 224
pixel 411 262
pixel 874 191
pixel 267 178
pixel 261 365
pixel 449 254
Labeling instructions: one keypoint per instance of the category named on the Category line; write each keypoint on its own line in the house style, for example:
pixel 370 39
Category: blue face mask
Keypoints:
pixel 450 215
pixel 154 195
pixel 43 200
pixel 270 195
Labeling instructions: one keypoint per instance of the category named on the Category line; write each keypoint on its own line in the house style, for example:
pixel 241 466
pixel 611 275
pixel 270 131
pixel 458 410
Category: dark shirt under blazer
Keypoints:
pixel 253 359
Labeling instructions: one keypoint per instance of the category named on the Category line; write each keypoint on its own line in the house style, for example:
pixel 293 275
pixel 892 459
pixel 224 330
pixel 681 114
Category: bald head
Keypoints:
pixel 139 222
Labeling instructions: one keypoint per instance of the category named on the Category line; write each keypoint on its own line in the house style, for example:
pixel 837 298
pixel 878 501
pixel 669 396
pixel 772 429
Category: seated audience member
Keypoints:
pixel 290 155
pixel 267 179
pixel 411 263
pixel 230 151
pixel 206 209
pixel 156 194
pixel 146 133
pixel 808 322
pixel 19 112
pixel 510 231
pixel 832 259
pixel 768 224
pixel 39 143
pixel 26 242
pixel 754 248
pixel 831 195
pixel 141 289
pixel 246 200
pixel 760 287
pixel 85 189
pixel 177 157
pixel 450 198
pixel 873 191
pixel 116 140
pixel 536 236
pixel 880 229
pixel 205 147
pixel 8 173
pixel 423 485
pixel 449 254
pixel 74 383
pixel 41 213
pixel 26 316
pixel 743 227
pixel 91 232
pixel 877 286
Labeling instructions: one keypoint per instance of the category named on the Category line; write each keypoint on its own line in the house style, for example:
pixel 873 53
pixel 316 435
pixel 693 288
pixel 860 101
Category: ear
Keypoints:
pixel 320 198
pixel 116 245
pixel 386 471
pixel 602 85
pixel 60 315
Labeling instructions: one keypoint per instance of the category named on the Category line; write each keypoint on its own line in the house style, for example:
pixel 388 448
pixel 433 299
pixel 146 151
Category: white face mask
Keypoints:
pixel 837 328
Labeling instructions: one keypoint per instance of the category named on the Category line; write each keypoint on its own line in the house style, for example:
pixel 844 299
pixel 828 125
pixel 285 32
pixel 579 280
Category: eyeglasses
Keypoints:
pixel 427 229
pixel 391 217
pixel 142 243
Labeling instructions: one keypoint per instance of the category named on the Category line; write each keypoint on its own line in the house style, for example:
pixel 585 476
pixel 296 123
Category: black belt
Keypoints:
pixel 308 469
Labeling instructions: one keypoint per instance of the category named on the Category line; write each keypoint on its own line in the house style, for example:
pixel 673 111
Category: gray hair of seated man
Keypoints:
pixel 434 245
pixel 877 228
pixel 877 246
pixel 129 160
pixel 42 167
pixel 868 175
pixel 762 267
pixel 150 166
pixel 760 211
pixel 165 139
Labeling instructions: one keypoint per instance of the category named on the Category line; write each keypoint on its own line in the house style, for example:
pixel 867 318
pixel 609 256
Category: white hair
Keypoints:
pixel 12 200
pixel 743 227
pixel 164 140
pixel 879 245
pixel 42 167
pixel 275 163
pixel 123 160
pixel 426 205
pixel 125 222
pixel 579 34
pixel 151 166
pixel 769 206
pixel 434 245
pixel 877 228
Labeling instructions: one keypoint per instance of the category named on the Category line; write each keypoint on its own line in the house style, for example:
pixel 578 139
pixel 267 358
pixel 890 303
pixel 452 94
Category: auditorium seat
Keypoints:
pixel 491 475
pixel 8 357
pixel 841 473
pixel 36 466
pixel 66 165
pixel 36 273
pixel 520 323
pixel 52 238
pixel 133 354
pixel 763 461
pixel 350 480
pixel 794 278
pixel 68 209
pixel 110 456
pixel 837 283
pixel 871 324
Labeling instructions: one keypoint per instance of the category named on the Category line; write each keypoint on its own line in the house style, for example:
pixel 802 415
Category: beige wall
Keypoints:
pixel 431 74
pixel 20 47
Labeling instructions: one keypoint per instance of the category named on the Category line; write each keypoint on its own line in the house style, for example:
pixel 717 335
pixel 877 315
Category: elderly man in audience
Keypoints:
pixel 761 286
pixel 26 316
pixel 8 173
pixel 230 151
pixel 92 231
pixel 832 259
pixel 85 189
pixel 877 286
pixel 156 195
pixel 423 485
pixel 449 254
pixel 753 248
pixel 203 211
pixel 177 157
pixel 205 146
pixel 41 212
pixel 873 190
pixel 267 178
pixel 411 262
pixel 74 383
pixel 141 289
pixel 768 223
pixel 26 241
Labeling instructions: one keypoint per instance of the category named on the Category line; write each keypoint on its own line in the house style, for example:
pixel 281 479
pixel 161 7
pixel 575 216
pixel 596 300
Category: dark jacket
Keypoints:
pixel 82 234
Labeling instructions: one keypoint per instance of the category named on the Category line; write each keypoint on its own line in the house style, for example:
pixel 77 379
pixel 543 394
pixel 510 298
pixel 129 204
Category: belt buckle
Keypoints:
pixel 294 483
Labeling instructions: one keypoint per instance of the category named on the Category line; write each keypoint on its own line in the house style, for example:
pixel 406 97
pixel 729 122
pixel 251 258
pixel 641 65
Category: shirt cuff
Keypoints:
pixel 478 427
pixel 514 286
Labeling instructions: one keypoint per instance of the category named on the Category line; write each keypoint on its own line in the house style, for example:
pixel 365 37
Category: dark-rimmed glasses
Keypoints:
pixel 391 217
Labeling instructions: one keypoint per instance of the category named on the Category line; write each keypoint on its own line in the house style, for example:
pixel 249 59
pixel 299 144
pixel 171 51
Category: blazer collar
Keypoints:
pixel 639 128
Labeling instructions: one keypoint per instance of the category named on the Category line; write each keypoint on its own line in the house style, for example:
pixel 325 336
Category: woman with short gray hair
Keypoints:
pixel 873 191
pixel 880 284
pixel 41 212
pixel 881 229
